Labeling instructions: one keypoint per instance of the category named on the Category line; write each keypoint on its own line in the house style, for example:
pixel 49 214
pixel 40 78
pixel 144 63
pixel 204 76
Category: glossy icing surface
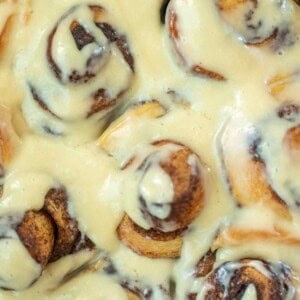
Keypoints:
pixel 70 107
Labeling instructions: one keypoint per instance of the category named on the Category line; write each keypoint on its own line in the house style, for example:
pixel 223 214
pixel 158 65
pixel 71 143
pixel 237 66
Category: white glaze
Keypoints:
pixel 99 191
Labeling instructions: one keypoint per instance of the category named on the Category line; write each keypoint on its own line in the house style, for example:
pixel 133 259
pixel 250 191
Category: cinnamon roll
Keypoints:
pixel 196 30
pixel 87 66
pixel 231 272
pixel 265 150
pixel 48 234
pixel 256 28
pixel 170 196
pixel 170 189
pixel 247 276
pixel 157 149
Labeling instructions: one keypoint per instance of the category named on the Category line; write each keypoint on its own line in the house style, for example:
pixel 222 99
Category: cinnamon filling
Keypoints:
pixel 51 233
pixel 230 281
pixel 246 18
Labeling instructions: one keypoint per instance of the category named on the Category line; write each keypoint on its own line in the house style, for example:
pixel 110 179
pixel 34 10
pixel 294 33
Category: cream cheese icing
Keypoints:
pixel 60 144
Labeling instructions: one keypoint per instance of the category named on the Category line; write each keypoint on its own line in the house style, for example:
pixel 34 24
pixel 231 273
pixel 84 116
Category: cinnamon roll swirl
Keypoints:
pixel 170 196
pixel 230 272
pixel 170 187
pixel 256 28
pixel 87 67
pixel 284 86
pixel 236 279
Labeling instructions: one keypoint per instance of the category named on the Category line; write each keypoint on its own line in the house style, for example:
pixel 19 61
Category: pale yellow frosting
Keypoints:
pixel 195 111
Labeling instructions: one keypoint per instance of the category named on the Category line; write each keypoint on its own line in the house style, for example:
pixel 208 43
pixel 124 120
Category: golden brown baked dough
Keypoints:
pixel 151 243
